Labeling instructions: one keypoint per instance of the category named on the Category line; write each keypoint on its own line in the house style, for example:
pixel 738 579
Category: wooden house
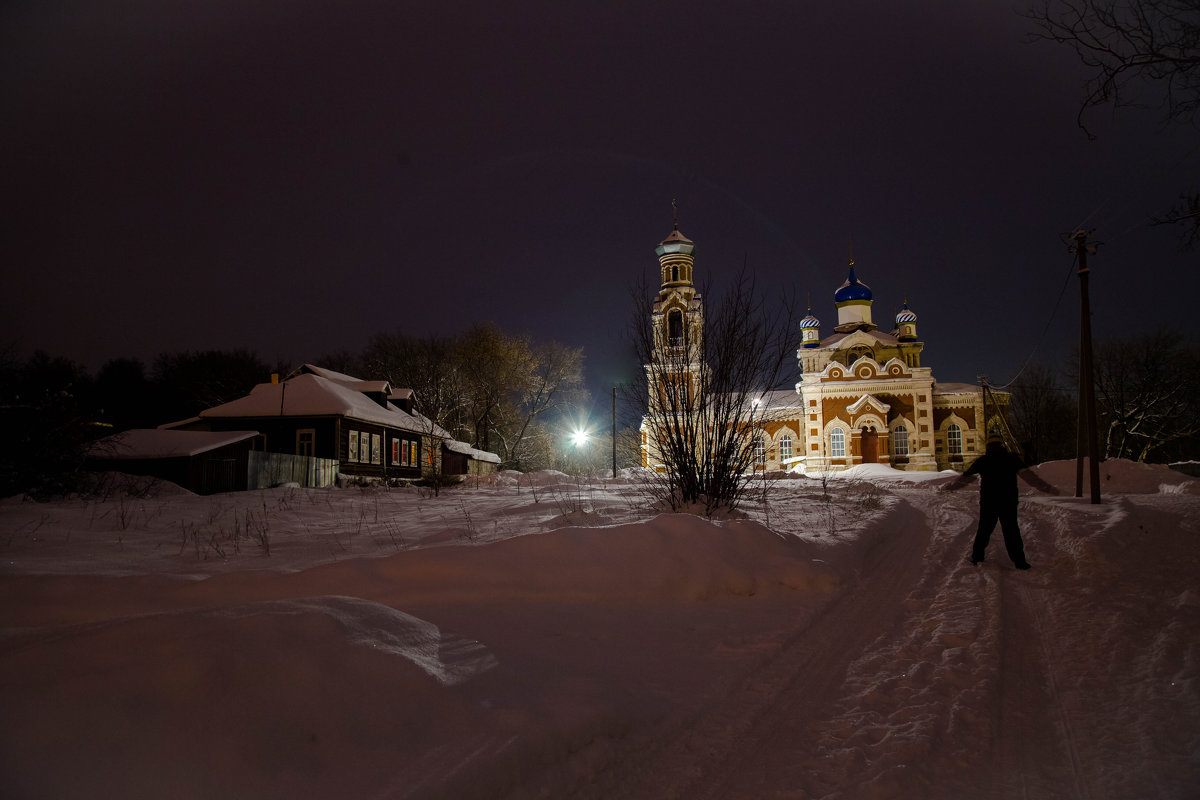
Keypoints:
pixel 372 429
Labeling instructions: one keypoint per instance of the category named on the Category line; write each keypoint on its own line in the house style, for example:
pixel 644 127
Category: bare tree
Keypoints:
pixel 703 381
pixel 1134 47
pixel 555 383
pixel 1147 390
pixel 1043 415
pixel 429 366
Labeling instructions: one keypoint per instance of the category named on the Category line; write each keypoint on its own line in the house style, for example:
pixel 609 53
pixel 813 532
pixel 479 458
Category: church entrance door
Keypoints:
pixel 870 446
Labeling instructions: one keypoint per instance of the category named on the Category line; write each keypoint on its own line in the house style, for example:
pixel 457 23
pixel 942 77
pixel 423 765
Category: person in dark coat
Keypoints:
pixel 998 471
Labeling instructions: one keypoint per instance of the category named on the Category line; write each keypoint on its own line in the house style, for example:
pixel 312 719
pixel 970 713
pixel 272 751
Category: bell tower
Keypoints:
pixel 677 321
pixel 677 311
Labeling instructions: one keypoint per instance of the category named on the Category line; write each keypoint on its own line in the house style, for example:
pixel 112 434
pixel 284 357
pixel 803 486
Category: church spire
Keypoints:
pixel 675 255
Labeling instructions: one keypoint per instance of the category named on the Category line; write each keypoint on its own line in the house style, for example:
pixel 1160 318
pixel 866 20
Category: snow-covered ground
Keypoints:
pixel 540 636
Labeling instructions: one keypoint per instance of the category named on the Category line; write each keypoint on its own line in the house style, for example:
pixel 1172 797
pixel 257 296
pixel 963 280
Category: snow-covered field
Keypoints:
pixel 538 636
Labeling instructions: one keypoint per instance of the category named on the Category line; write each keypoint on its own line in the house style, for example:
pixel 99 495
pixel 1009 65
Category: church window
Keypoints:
pixel 900 441
pixel 785 447
pixel 856 353
pixel 675 328
pixel 954 440
pixel 837 443
pixel 675 272
pixel 760 449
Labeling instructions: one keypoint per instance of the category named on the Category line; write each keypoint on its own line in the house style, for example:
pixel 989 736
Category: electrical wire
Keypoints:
pixel 1045 330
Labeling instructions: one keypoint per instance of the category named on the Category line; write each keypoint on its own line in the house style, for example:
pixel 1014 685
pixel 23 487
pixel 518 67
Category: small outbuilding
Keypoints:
pixel 204 462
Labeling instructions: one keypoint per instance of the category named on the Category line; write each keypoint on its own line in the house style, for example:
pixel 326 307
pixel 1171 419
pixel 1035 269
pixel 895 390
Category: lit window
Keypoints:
pixel 785 447
pixel 837 443
pixel 760 449
pixel 954 440
pixel 376 448
pixel 396 451
pixel 364 447
pixel 900 441
pixel 352 449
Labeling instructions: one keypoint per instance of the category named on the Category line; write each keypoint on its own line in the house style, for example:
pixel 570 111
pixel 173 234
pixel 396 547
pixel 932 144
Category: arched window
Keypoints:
pixel 900 441
pixel 785 447
pixel 674 272
pixel 760 449
pixel 837 443
pixel 857 352
pixel 954 439
pixel 675 328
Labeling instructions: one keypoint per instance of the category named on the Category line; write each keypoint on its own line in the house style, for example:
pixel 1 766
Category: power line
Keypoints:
pixel 1042 338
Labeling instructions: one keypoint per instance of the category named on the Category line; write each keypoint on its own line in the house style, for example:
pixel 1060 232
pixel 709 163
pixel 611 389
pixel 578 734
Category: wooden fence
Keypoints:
pixel 265 470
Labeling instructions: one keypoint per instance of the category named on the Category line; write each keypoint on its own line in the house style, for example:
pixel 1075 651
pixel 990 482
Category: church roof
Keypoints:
pixel 676 236
pixel 676 242
pixel 905 315
pixel 883 338
pixel 852 289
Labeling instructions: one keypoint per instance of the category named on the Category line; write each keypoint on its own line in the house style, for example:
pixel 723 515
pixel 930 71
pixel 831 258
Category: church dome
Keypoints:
pixel 675 243
pixel 852 290
pixel 905 315
pixel 810 321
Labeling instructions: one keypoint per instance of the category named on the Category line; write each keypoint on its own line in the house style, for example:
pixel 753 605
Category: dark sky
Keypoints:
pixel 293 177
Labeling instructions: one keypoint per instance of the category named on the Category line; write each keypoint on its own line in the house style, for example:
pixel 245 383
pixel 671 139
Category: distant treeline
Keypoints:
pixel 487 388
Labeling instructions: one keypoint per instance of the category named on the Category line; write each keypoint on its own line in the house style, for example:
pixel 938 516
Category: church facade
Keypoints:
pixel 864 396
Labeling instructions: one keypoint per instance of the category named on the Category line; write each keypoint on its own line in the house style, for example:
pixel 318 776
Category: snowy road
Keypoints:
pixel 929 677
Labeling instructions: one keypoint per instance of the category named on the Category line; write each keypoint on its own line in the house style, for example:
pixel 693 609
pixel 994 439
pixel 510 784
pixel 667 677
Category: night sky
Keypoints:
pixel 294 177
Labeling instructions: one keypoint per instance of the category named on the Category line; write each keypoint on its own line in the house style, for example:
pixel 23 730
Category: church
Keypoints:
pixel 864 397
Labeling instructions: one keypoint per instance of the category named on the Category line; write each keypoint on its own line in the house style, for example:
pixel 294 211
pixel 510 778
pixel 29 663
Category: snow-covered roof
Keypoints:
pixel 159 443
pixel 466 449
pixel 831 342
pixel 312 394
pixel 955 388
pixel 780 398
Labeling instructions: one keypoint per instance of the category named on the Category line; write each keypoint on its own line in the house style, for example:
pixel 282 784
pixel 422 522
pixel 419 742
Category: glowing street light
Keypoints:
pixel 579 438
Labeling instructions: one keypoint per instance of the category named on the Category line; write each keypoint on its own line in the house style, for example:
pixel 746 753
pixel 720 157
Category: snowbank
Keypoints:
pixel 1120 476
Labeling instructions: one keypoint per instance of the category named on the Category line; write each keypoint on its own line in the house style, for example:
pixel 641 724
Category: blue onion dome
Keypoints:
pixel 906 314
pixel 852 289
pixel 810 321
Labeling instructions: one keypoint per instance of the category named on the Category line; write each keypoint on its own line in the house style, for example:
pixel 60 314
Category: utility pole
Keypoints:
pixel 1087 384
pixel 614 432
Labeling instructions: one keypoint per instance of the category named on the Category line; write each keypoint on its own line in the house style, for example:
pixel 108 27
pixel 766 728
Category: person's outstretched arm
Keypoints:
pixel 1033 479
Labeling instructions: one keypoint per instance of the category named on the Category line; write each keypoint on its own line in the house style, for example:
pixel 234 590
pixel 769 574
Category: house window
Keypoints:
pixel 900 441
pixel 352 447
pixel 364 447
pixel 760 450
pixel 837 443
pixel 376 448
pixel 305 442
pixel 954 440
pixel 785 447
pixel 395 452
